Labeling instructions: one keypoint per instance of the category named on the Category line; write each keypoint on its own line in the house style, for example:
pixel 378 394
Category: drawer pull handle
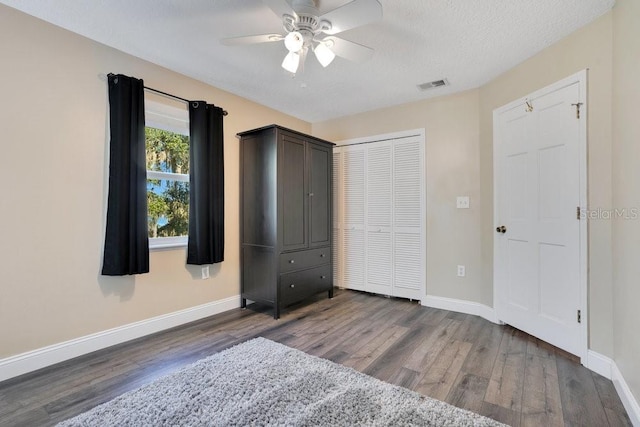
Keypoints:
pixel 291 261
pixel 323 277
pixel 292 285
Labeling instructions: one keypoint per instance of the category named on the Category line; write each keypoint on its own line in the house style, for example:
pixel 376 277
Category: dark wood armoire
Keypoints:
pixel 286 184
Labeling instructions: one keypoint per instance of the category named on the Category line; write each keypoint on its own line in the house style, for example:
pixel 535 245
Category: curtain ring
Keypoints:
pixel 195 104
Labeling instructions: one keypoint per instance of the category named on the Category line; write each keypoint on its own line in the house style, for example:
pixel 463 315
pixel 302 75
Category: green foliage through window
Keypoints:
pixel 167 199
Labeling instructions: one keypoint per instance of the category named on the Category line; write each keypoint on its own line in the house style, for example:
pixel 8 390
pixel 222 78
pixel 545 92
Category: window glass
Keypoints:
pixel 167 145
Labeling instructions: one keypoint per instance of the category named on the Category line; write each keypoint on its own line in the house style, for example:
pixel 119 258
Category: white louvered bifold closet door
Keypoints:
pixel 379 252
pixel 337 218
pixel 353 179
pixel 408 213
pixel 382 229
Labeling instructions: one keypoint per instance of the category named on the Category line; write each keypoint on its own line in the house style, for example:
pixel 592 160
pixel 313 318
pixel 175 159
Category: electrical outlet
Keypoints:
pixel 462 202
pixel 461 271
pixel 205 272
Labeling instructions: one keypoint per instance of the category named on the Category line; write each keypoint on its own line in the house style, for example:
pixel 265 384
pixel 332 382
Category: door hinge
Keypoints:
pixel 579 316
pixel 577 212
pixel 577 105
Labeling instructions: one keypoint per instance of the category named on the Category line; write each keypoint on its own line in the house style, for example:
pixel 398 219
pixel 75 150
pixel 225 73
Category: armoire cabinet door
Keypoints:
pixel 293 189
pixel 320 166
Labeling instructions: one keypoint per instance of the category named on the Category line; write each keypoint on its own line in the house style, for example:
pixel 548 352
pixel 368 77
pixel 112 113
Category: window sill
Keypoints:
pixel 167 243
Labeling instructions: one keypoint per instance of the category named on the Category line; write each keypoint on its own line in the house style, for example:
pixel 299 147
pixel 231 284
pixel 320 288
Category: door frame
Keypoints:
pixel 581 79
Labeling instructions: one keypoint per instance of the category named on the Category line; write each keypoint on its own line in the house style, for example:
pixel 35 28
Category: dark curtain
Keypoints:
pixel 206 184
pixel 126 246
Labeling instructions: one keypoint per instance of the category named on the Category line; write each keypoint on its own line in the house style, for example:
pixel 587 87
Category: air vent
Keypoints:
pixel 434 84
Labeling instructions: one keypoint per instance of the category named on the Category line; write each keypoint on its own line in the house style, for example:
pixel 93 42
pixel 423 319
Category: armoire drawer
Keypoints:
pixel 299 285
pixel 301 260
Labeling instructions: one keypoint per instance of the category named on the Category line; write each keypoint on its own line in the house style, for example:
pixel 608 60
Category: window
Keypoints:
pixel 167 144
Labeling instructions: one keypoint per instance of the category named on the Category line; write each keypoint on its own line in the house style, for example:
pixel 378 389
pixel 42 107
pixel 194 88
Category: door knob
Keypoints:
pixel 502 229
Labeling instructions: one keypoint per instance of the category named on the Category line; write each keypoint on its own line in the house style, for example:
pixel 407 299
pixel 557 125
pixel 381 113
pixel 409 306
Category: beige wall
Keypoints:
pixel 626 190
pixel 459 154
pixel 452 169
pixel 53 115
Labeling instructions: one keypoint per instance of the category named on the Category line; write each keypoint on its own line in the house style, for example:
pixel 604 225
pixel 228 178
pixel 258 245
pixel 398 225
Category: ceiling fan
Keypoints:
pixel 307 30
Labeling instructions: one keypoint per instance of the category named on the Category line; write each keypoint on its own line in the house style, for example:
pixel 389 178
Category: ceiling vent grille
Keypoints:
pixel 434 84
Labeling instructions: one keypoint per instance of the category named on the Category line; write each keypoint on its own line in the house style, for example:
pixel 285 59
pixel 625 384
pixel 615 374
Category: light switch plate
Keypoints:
pixel 462 202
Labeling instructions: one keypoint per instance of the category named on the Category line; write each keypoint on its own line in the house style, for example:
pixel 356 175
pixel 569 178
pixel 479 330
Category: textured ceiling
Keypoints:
pixel 468 42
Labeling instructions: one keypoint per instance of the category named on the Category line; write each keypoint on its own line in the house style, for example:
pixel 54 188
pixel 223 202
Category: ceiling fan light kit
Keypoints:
pixel 324 54
pixel 291 62
pixel 308 30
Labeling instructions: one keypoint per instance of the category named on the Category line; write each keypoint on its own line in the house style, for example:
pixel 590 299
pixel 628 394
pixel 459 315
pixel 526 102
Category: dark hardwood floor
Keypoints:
pixel 494 370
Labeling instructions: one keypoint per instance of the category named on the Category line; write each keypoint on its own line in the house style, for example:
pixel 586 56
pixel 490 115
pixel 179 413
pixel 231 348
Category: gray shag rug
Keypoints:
pixel 260 383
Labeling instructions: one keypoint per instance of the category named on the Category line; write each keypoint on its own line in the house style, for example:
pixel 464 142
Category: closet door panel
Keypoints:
pixel 407 280
pixel 354 260
pixel 408 219
pixel 354 187
pixel 353 218
pixel 337 217
pixel 379 218
pixel 379 265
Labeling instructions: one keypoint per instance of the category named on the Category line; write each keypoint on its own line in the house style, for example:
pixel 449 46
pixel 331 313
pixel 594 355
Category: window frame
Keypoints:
pixel 171 119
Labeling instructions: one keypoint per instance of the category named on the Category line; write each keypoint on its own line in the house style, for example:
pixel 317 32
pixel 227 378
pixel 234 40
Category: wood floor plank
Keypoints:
pixel 506 383
pixel 486 339
pixel 459 358
pixel 468 392
pixel 440 376
pixel 369 353
pixel 581 404
pixel 541 404
pixel 613 407
pixel 504 415
pixel 428 350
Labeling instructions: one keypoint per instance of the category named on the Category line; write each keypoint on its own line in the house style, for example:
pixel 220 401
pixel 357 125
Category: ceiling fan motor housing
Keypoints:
pixel 306 22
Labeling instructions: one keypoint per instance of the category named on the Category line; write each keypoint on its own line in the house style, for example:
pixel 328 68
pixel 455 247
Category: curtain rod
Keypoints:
pixel 224 112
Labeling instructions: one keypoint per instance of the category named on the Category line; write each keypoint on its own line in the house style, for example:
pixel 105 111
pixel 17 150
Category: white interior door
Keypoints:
pixel 540 147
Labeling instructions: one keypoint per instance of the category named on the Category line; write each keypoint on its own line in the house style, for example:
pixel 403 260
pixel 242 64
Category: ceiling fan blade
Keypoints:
pixel 243 40
pixel 280 8
pixel 351 15
pixel 349 50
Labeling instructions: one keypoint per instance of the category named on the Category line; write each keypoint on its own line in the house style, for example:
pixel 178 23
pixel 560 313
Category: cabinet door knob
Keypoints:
pixel 291 261
pixel 292 285
pixel 321 255
pixel 323 277
pixel 310 194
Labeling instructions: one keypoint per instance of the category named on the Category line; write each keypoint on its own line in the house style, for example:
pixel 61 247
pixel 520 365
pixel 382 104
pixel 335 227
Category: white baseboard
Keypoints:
pixel 461 306
pixel 628 400
pixel 607 367
pixel 50 355
pixel 599 364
